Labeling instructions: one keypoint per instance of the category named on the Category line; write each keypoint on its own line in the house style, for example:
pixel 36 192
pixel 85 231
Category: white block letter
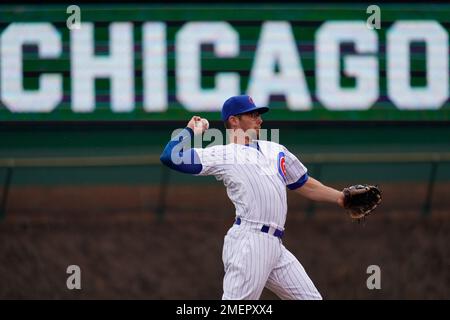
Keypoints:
pixel 155 66
pixel 188 41
pixel 399 38
pixel 364 68
pixel 48 41
pixel 277 47
pixel 118 66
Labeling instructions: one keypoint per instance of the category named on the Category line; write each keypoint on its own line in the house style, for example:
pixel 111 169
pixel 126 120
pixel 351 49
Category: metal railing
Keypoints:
pixel 318 160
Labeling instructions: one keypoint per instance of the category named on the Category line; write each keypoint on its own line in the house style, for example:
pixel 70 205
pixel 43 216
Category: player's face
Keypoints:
pixel 251 120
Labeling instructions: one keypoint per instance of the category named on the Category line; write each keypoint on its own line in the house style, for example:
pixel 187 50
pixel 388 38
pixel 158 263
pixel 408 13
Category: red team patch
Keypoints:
pixel 282 165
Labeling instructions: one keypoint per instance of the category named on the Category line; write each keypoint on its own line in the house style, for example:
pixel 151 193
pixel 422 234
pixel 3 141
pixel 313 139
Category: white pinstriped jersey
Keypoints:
pixel 255 180
pixel 256 183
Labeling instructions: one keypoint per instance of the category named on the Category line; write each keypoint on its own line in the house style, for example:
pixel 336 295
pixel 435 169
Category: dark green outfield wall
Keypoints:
pixel 88 138
pixel 143 138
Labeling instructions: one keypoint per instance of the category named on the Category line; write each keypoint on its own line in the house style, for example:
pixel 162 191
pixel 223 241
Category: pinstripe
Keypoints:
pixel 290 281
pixel 232 258
pixel 248 275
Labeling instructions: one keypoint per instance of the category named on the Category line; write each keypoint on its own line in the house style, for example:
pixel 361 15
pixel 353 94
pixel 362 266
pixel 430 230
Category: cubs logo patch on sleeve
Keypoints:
pixel 282 165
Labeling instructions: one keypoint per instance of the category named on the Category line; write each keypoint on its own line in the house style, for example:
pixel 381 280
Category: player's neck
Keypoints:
pixel 238 136
pixel 239 140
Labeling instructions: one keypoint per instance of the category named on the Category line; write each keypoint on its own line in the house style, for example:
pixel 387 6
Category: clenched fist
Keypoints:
pixel 198 124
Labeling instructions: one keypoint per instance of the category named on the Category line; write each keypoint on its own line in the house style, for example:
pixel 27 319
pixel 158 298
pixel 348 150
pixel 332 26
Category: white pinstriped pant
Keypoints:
pixel 254 260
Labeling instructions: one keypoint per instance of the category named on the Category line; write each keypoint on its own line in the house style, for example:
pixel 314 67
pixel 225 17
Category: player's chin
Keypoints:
pixel 252 133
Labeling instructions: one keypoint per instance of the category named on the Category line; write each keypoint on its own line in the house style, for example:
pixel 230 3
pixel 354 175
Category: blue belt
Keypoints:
pixel 265 228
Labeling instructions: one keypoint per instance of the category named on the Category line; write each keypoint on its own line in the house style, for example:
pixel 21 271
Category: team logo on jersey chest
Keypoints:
pixel 282 165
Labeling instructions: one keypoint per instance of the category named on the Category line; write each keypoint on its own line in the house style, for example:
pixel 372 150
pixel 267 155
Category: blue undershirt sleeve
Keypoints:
pixel 175 157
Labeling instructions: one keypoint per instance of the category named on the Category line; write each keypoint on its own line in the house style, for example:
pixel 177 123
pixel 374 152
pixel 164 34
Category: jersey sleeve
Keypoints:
pixel 212 160
pixel 296 172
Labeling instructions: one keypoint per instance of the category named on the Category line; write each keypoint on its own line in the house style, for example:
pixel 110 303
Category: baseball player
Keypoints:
pixel 255 174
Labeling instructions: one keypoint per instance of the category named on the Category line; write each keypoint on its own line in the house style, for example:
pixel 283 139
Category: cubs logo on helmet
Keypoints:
pixel 282 165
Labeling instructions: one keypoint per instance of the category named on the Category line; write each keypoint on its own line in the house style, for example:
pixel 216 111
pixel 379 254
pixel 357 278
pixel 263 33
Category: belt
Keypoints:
pixel 265 228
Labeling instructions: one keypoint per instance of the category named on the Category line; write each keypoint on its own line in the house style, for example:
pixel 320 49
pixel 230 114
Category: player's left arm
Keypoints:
pixel 316 191
pixel 300 182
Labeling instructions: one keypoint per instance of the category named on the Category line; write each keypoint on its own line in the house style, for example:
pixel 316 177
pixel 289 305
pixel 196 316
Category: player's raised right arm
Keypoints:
pixel 176 156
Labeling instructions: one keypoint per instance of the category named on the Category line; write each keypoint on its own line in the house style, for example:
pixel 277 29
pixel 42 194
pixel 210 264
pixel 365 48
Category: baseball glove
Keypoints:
pixel 360 200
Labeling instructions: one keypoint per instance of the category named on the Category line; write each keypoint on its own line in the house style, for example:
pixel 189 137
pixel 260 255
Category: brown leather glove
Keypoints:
pixel 360 200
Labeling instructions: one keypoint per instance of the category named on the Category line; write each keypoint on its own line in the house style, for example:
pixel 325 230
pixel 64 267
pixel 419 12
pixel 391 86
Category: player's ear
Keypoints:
pixel 233 121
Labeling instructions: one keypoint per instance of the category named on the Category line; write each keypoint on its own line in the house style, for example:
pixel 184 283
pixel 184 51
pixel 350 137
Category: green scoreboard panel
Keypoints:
pixel 168 62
